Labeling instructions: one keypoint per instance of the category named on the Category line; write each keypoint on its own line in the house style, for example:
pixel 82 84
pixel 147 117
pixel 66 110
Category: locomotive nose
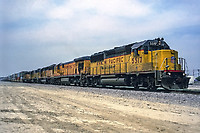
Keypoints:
pixel 174 82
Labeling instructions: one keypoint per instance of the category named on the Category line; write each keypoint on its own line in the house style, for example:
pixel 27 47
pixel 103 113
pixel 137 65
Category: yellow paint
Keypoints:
pixel 131 63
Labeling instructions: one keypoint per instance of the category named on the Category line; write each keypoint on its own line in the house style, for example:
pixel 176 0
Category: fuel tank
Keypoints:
pixel 113 81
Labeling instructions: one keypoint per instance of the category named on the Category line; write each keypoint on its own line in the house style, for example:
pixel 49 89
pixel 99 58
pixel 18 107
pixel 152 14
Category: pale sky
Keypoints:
pixel 38 33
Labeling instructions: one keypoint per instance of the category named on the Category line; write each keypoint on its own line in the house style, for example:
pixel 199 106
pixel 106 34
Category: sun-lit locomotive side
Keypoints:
pixel 150 64
pixel 72 72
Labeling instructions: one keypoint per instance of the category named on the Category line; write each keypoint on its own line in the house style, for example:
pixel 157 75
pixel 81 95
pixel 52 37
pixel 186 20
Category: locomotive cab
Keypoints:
pixel 83 64
pixel 161 62
pixel 168 70
pixel 150 45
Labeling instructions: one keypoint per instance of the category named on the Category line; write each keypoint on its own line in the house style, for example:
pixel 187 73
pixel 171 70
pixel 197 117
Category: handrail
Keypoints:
pixel 163 62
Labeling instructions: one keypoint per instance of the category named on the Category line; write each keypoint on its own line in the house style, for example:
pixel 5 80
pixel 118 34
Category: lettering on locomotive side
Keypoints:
pixel 111 61
pixel 116 60
pixel 99 63
pixel 136 60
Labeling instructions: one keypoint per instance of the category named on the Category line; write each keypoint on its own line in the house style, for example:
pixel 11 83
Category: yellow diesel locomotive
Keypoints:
pixel 149 63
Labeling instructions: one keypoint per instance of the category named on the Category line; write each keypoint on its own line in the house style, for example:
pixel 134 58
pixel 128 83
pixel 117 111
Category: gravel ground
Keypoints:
pixel 192 100
pixel 52 108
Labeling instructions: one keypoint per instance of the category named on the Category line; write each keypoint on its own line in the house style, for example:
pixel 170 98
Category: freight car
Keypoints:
pixel 149 63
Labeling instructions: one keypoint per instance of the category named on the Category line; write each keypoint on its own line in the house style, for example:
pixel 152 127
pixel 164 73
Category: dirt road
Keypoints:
pixel 48 108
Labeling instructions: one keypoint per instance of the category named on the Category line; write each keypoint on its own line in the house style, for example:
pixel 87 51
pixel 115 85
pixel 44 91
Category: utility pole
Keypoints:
pixel 193 72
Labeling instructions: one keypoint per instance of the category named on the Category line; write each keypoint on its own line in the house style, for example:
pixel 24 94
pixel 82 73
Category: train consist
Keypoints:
pixel 149 63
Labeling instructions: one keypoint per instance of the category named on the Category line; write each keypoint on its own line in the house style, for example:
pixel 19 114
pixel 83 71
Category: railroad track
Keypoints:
pixel 184 91
pixel 188 91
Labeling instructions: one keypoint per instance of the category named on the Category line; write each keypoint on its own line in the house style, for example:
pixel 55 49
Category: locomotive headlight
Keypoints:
pixel 183 74
pixel 169 74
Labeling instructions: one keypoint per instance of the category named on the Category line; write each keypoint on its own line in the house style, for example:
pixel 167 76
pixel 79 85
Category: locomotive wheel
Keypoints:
pixel 94 84
pixel 82 83
pixel 135 83
pixel 136 87
pixel 151 84
pixel 87 83
pixel 152 87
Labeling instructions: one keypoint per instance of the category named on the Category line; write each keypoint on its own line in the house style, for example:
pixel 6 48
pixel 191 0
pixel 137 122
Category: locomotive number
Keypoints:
pixel 136 60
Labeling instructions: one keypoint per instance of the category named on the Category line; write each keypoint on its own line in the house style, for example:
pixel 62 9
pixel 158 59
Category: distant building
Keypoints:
pixel 191 81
